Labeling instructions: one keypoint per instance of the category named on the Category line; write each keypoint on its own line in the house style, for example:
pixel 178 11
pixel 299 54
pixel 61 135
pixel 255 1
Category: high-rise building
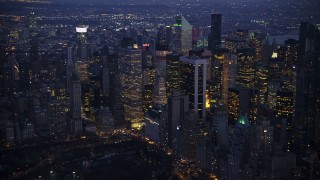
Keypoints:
pixel 289 54
pixel 82 46
pixel 76 104
pixel 307 101
pixel 229 75
pixel 219 76
pixel 183 37
pixel 155 117
pixel 233 105
pixel 162 49
pixel 242 102
pixel 70 68
pixel 172 73
pixel 261 83
pixel 178 105
pixel 215 36
pixel 256 41
pixel 159 92
pixel 76 99
pixel 130 68
pixel 245 67
pixel 284 110
pixel 193 80
pixel 220 127
pixel 239 148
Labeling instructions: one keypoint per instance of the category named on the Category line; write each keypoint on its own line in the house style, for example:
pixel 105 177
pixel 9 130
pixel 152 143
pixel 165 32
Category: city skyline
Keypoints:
pixel 159 90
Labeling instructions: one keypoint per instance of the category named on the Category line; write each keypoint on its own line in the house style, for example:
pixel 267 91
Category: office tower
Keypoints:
pixel 159 92
pixel 228 76
pixel 289 54
pixel 188 137
pixel 32 25
pixel 172 73
pixel 265 135
pixel 81 52
pixel 76 122
pixel 273 88
pixel 239 148
pixel 256 41
pixel 76 99
pixel 307 101
pixel 266 51
pixel 70 68
pixel 216 82
pixel 105 121
pixel 275 65
pixel 162 49
pixel 245 67
pixel 82 45
pixel 183 36
pixel 261 83
pixel 233 105
pixel 34 52
pixel 168 34
pixel 116 101
pixel 155 121
pixel 236 41
pixel 147 96
pixel 284 110
pixel 242 102
pixel 106 81
pixel 130 68
pixel 204 54
pixel 217 73
pixel 41 122
pixel 193 80
pixel 178 105
pixel 215 36
pixel 82 71
pixel 57 118
pixel 221 127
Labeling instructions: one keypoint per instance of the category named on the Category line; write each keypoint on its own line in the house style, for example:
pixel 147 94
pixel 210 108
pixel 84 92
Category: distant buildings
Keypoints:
pixel 225 102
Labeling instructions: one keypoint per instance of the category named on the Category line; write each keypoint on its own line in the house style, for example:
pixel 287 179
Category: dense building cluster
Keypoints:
pixel 238 105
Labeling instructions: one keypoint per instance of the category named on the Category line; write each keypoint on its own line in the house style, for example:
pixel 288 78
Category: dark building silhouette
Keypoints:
pixel 215 36
pixel 307 101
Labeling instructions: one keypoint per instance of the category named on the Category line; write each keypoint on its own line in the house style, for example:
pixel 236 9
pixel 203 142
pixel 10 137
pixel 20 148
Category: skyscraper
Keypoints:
pixel 284 109
pixel 193 80
pixel 162 49
pixel 215 36
pixel 130 68
pixel 76 103
pixel 239 148
pixel 245 67
pixel 76 99
pixel 183 37
pixel 70 68
pixel 307 101
pixel 178 103
pixel 172 73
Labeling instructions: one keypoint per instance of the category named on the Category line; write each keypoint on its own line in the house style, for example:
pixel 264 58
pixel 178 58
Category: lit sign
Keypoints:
pixel 81 29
